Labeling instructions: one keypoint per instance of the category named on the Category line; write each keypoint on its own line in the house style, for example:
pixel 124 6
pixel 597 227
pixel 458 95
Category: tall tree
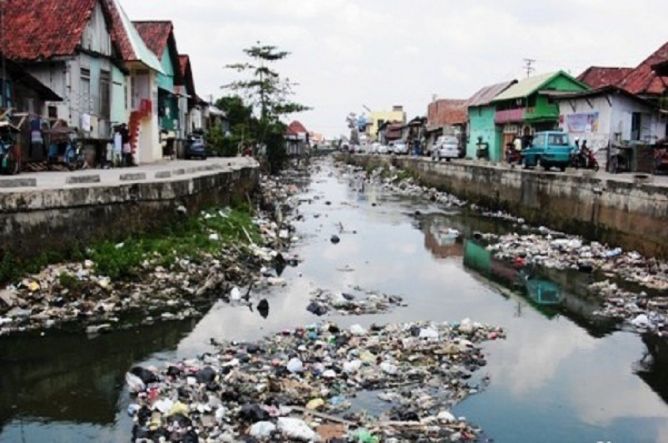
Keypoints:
pixel 270 96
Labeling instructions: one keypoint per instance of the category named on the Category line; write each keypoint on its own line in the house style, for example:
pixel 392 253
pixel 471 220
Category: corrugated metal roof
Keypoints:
pixel 526 87
pixel 488 93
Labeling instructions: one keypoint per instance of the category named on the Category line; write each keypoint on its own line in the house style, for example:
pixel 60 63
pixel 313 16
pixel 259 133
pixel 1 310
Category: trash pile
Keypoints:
pixel 357 302
pixel 75 294
pixel 393 180
pixel 639 311
pixel 559 251
pixel 643 310
pixel 299 385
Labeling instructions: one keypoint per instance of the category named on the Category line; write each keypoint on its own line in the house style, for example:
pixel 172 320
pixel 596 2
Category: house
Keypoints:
pixel 599 76
pixel 523 109
pixel 136 92
pixel 297 139
pixel 88 53
pixel 67 46
pixel 482 126
pixel 377 118
pixel 644 81
pixel 159 38
pixel 446 116
pixel 190 105
pixel 390 131
pixel 605 116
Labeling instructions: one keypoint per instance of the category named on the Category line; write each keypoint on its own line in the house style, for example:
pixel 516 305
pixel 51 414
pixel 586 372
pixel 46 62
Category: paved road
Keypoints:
pixel 163 171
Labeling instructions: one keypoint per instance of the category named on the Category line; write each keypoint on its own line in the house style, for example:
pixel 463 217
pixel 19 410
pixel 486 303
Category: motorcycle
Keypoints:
pixel 584 159
pixel 513 156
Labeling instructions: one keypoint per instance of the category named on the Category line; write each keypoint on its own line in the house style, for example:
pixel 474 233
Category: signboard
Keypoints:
pixel 582 123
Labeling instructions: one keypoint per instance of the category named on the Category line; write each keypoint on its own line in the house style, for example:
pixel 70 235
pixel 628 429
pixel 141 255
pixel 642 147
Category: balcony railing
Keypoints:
pixel 510 116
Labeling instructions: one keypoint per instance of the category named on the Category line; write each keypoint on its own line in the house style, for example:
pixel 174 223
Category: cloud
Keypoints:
pixel 348 53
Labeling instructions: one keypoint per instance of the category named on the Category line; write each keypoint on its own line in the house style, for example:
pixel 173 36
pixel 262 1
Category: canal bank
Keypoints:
pixel 58 212
pixel 617 211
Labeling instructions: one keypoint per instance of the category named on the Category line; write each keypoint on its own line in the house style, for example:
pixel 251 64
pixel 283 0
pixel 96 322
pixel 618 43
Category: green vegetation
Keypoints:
pixel 206 233
pixel 191 239
pixel 267 95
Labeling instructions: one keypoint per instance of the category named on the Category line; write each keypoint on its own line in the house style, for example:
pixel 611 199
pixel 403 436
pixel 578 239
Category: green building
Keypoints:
pixel 527 106
pixel 482 128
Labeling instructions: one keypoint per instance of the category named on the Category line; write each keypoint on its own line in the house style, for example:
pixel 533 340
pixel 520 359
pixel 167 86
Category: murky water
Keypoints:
pixel 558 377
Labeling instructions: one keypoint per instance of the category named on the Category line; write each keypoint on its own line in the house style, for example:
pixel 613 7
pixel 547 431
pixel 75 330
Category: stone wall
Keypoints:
pixel 64 220
pixel 634 216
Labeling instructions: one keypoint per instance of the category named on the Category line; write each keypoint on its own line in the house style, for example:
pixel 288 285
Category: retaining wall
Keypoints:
pixel 63 220
pixel 634 216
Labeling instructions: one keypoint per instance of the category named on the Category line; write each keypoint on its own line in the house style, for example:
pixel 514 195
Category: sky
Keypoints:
pixel 350 54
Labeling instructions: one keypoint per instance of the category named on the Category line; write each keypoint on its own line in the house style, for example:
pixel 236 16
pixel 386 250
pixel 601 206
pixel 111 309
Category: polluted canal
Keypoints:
pixel 548 369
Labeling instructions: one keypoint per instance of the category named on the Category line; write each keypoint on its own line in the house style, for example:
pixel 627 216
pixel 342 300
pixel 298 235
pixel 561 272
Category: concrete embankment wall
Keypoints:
pixel 634 216
pixel 34 222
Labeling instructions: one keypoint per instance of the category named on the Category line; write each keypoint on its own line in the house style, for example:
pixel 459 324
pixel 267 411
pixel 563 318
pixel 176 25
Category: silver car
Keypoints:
pixel 446 147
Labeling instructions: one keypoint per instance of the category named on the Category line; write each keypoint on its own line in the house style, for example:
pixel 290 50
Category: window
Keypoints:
pixel 6 90
pixel 105 94
pixel 53 113
pixel 558 140
pixel 85 103
pixel 635 126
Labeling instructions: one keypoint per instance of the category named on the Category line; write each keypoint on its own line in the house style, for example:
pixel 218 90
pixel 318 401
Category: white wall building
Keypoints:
pixel 609 115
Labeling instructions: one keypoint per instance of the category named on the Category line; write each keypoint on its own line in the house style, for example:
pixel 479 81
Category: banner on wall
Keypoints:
pixel 581 123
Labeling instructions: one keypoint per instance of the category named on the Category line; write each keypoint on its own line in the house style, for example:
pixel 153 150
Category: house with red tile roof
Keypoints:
pixel 172 105
pixel 601 76
pixel 88 53
pixel 67 45
pixel 193 109
pixel 296 139
pixel 644 80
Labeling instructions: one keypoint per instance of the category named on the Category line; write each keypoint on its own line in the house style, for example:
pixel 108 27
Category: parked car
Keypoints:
pixel 446 147
pixel 383 149
pixel 548 149
pixel 399 148
pixel 195 147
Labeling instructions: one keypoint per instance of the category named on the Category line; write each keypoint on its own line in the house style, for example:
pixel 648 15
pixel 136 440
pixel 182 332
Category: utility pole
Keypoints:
pixel 528 66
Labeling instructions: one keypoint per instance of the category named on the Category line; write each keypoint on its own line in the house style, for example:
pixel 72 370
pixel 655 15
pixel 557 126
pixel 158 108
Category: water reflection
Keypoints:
pixel 71 378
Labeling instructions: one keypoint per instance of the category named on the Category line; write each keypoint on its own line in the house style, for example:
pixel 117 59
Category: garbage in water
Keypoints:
pixel 291 386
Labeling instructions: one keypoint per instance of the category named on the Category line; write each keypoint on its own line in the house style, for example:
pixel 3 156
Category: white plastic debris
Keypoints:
pixel 357 330
pixel 445 416
pixel 294 428
pixel 235 294
pixel 641 321
pixel 163 405
pixel 262 429
pixel 135 384
pixel 352 366
pixel 295 365
pixel 389 368
pixel 214 237
pixel 466 326
pixel 429 333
